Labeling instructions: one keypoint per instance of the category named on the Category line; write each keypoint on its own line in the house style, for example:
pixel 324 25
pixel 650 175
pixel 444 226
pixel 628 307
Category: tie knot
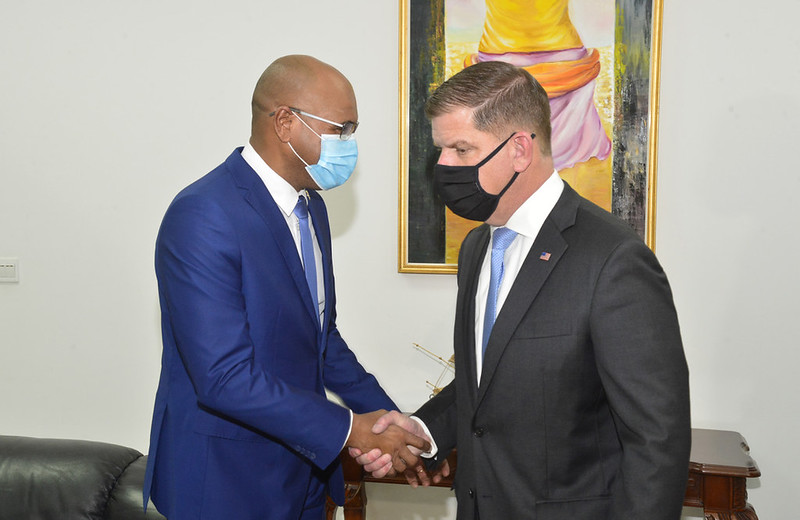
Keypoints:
pixel 301 208
pixel 502 238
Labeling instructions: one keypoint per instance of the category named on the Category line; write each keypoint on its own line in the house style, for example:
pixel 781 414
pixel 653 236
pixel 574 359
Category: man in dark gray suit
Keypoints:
pixel 574 402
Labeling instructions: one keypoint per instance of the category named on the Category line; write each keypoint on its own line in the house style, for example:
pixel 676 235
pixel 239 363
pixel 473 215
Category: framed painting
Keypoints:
pixel 599 63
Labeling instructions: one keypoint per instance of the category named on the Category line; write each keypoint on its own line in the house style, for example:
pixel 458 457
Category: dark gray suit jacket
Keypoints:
pixel 582 411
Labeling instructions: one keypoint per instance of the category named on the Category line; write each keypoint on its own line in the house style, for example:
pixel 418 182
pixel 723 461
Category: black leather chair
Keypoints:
pixel 58 479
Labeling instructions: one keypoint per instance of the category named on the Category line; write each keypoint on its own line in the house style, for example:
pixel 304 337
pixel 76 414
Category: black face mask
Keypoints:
pixel 460 189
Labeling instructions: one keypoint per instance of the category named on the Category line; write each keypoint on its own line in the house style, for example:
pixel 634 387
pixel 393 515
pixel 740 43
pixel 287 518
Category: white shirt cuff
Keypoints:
pixel 434 449
pixel 349 430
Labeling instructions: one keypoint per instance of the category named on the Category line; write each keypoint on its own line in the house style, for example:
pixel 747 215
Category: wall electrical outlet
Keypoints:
pixel 9 270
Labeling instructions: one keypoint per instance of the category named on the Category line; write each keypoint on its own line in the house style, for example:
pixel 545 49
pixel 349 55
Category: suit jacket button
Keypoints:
pixel 471 493
pixel 478 432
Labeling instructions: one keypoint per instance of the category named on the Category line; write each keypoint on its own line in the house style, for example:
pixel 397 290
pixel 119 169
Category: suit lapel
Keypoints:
pixel 257 195
pixel 319 218
pixel 532 276
pixel 468 273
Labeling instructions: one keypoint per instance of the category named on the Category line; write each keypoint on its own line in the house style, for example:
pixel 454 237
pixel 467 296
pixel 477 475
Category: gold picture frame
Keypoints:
pixel 428 235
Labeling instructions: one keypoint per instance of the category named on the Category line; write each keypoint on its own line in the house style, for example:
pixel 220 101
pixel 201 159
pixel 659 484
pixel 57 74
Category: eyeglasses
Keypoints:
pixel 348 128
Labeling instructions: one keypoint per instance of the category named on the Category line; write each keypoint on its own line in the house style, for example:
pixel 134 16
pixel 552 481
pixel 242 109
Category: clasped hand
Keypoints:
pixel 394 441
pixel 380 462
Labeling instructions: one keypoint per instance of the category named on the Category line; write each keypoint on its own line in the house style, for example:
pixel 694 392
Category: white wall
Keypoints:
pixel 107 109
pixel 727 224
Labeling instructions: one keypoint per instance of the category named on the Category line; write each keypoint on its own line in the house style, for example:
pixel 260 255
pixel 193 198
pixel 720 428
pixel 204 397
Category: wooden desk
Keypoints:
pixel 719 467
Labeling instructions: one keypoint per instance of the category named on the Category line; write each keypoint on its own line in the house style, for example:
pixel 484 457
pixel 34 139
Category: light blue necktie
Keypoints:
pixel 307 249
pixel 501 239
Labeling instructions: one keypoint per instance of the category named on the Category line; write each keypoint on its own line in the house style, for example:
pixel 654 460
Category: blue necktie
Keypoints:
pixel 307 248
pixel 501 239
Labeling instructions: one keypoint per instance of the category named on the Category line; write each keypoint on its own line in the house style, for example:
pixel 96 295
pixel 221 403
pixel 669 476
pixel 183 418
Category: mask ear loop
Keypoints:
pixel 297 154
pixel 306 124
pixel 516 174
pixel 312 131
pixel 495 151
pixel 487 159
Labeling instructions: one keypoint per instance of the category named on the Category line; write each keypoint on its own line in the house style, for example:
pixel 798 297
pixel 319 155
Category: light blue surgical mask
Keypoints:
pixel 337 159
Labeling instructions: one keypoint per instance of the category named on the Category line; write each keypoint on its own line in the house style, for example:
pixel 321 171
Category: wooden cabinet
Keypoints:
pixel 719 467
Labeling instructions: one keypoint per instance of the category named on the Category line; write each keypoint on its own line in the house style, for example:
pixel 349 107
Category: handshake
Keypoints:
pixel 390 444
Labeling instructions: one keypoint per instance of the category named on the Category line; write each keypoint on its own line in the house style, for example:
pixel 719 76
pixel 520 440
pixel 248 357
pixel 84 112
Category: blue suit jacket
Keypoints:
pixel 242 426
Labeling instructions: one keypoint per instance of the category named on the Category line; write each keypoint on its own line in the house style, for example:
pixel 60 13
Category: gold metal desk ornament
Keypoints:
pixel 448 372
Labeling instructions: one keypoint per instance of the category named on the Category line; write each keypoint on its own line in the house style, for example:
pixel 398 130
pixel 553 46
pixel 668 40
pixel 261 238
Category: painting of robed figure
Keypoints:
pixel 596 59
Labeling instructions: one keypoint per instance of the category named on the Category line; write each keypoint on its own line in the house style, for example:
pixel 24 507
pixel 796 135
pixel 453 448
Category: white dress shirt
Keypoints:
pixel 526 221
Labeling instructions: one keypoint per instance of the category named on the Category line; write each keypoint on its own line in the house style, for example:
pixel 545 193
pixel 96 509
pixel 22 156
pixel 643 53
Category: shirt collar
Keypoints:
pixel 282 192
pixel 530 216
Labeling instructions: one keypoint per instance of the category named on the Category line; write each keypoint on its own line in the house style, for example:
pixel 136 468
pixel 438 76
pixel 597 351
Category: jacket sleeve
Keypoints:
pixel 345 376
pixel 640 359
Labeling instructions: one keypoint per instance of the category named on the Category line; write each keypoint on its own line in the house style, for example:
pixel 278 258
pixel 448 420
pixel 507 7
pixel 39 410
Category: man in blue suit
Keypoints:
pixel 242 427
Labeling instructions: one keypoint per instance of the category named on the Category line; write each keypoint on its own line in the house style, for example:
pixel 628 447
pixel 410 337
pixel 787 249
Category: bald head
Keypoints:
pixel 296 81
pixel 307 84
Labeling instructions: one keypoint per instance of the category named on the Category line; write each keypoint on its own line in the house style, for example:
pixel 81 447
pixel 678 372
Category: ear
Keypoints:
pixel 283 121
pixel 524 151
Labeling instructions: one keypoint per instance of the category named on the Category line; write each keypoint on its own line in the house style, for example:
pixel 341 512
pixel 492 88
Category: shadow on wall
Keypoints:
pixel 342 204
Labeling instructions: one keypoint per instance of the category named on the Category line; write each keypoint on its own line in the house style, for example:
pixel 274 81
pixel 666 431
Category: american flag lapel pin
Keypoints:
pixel 545 256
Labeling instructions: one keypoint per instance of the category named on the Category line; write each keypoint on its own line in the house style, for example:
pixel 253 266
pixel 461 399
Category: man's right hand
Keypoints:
pixel 392 440
pixel 379 464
